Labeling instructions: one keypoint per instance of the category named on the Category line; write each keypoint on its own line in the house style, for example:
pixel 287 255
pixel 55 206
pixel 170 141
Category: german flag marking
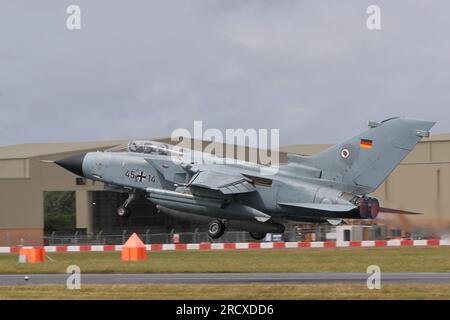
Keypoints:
pixel 366 144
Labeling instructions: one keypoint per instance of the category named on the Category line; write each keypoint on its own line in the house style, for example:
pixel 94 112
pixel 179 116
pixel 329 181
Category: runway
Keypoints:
pixel 197 278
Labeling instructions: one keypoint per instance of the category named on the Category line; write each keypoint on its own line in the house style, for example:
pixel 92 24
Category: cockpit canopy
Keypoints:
pixel 143 146
pixel 150 147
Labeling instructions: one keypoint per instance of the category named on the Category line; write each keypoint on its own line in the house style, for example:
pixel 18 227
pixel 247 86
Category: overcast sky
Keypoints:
pixel 144 68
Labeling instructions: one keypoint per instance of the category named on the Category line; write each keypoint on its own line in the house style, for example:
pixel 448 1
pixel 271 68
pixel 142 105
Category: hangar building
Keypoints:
pixel 420 183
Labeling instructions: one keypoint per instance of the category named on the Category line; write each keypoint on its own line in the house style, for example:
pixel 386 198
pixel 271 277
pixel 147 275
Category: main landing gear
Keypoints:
pixel 257 235
pixel 216 229
pixel 124 211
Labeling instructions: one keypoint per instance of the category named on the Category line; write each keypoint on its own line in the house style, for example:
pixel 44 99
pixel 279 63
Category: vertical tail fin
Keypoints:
pixel 366 160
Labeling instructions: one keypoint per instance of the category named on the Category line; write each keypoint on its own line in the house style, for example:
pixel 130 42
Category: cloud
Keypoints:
pixel 145 68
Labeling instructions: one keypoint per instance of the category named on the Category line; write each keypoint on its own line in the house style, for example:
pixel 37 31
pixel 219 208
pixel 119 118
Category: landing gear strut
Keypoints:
pixel 216 229
pixel 123 211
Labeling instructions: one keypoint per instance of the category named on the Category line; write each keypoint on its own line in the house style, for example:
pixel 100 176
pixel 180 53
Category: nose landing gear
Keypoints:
pixel 123 211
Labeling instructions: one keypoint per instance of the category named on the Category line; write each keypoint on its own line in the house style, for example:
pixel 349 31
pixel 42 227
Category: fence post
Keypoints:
pixel 76 237
pixel 195 235
pixel 99 236
pixel 171 235
pixel 147 241
pixel 123 236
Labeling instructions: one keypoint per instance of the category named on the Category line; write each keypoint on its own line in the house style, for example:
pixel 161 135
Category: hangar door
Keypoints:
pixel 143 216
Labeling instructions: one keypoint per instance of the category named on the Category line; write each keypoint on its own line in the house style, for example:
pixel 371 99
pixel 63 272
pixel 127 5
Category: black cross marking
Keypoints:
pixel 141 176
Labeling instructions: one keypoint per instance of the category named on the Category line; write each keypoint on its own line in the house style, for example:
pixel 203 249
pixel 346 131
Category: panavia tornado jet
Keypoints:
pixel 327 187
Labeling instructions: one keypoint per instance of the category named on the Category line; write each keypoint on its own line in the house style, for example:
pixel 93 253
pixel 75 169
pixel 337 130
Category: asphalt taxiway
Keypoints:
pixel 193 278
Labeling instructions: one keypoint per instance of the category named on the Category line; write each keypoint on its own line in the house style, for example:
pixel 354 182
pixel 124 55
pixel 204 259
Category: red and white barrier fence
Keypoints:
pixel 247 245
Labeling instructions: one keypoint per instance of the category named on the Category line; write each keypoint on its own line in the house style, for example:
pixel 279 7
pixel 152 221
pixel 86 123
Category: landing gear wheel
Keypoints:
pixel 123 212
pixel 257 235
pixel 216 229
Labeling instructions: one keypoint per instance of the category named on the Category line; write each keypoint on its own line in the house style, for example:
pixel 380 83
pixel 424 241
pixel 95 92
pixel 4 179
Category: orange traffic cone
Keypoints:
pixel 134 249
pixel 32 255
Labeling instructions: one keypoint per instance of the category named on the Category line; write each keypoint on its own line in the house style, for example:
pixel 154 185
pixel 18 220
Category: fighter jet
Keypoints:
pixel 327 187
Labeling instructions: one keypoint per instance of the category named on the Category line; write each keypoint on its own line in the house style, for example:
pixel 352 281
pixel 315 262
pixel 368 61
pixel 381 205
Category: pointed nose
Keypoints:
pixel 73 163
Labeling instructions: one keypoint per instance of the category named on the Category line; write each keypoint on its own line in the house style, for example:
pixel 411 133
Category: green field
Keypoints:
pixel 270 260
pixel 229 291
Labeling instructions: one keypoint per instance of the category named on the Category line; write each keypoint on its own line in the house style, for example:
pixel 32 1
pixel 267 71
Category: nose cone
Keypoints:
pixel 73 163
